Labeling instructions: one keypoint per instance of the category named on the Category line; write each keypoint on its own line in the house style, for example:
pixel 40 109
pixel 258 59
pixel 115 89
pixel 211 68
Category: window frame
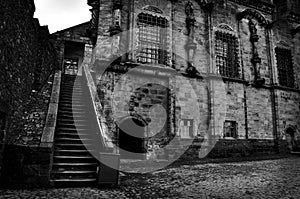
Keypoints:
pixel 233 125
pixel 231 69
pixel 158 52
pixel 285 72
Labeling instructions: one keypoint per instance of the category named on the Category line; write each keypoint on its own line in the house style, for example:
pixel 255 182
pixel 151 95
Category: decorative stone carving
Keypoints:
pixel 257 4
pixel 153 9
pixel 256 60
pixel 116 27
pixel 206 5
pixel 250 14
pixel 253 31
pixel 190 46
pixel 93 30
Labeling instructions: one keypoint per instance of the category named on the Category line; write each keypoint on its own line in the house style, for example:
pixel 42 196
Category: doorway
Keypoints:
pixel 71 66
pixel 290 138
pixel 131 140
pixel 73 57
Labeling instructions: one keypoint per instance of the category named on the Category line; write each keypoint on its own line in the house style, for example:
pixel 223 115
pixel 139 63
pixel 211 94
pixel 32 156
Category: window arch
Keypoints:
pixel 152 39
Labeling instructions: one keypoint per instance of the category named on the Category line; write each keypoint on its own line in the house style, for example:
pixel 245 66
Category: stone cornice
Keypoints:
pixel 257 4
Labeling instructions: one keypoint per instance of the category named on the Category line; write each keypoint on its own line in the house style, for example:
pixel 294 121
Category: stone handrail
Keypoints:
pixel 49 128
pixel 96 105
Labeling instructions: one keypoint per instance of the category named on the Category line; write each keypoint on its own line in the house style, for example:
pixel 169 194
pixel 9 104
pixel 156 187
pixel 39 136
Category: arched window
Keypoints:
pixel 152 39
pixel 226 51
pixel 284 67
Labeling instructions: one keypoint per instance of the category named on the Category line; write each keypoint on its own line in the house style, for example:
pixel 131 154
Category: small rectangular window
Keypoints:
pixel 230 129
pixel 285 67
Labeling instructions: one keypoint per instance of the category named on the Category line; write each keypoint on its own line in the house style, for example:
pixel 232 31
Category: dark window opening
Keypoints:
pixel 71 66
pixel 152 37
pixel 285 67
pixel 230 129
pixel 226 49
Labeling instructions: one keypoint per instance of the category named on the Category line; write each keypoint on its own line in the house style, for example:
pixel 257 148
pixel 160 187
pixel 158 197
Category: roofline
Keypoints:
pixel 70 27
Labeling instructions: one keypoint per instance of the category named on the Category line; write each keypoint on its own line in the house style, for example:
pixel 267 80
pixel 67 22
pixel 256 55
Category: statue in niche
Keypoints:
pixel 252 28
pixel 190 20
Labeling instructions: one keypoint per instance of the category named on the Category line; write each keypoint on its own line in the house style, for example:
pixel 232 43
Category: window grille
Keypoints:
pixel 152 37
pixel 71 66
pixel 230 129
pixel 226 49
pixel 285 67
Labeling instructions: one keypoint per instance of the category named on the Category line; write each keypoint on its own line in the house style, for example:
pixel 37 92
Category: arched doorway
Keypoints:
pixel 290 137
pixel 132 133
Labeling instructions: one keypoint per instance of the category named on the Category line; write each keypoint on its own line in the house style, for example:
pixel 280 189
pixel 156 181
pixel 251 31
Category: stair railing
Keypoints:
pixel 47 139
pixel 96 105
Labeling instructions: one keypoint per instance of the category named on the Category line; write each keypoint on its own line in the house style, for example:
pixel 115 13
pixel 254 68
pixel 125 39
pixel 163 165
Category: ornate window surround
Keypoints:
pixel 133 39
pixel 226 29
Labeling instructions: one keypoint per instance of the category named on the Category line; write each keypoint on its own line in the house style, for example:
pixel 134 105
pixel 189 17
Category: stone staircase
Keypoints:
pixel 73 164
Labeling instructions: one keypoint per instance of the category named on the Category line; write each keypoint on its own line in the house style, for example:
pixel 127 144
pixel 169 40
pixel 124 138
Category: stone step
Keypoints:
pixel 70 116
pixel 60 146
pixel 78 130
pixel 67 112
pixel 59 134
pixel 72 172
pixel 70 102
pixel 74 159
pixel 72 164
pixel 73 140
pixel 77 121
pixel 71 109
pixel 73 152
pixel 72 125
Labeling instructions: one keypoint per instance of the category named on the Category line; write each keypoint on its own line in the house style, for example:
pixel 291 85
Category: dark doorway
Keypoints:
pixel 73 57
pixel 132 138
pixel 290 138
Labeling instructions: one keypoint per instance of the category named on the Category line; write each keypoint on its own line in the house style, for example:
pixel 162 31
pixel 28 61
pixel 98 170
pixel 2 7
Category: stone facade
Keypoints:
pixel 28 60
pixel 196 102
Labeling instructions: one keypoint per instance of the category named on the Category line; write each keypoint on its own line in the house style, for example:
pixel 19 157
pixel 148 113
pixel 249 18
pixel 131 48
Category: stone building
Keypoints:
pixel 211 70
pixel 158 78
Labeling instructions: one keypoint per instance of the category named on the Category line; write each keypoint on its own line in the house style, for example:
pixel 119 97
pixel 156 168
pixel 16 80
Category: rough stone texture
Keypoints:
pixel 208 103
pixel 26 166
pixel 28 58
pixel 29 128
pixel 276 179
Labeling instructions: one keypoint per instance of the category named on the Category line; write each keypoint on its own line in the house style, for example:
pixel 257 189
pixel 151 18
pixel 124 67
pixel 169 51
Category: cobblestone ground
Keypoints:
pixel 256 179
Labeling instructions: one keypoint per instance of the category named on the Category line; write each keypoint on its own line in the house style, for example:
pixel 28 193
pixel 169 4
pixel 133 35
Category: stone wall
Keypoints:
pixel 26 166
pixel 258 110
pixel 27 59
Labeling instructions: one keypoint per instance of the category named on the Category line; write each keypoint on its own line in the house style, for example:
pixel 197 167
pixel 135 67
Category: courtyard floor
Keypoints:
pixel 279 178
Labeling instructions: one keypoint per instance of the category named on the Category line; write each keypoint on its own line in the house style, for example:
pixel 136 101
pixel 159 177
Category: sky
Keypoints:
pixel 61 14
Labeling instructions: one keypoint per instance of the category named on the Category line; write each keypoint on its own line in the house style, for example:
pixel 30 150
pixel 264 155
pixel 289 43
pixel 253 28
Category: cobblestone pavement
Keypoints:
pixel 256 179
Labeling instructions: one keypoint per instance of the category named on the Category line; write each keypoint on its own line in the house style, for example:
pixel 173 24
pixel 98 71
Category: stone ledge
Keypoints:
pixel 49 129
pixel 107 143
